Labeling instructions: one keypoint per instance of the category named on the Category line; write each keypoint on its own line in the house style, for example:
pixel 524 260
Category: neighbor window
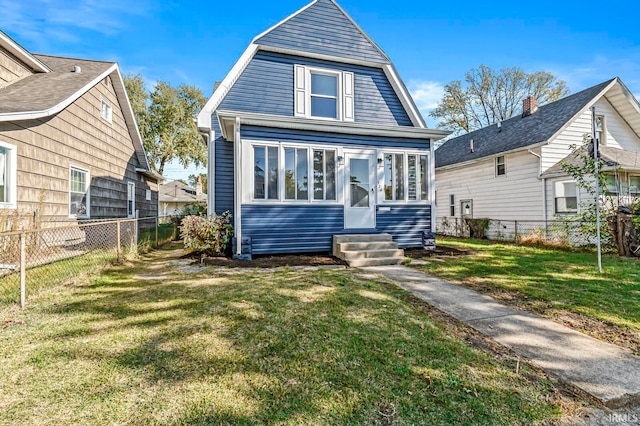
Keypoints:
pixel 323 93
pixel 405 177
pixel 634 186
pixel 566 197
pixel 78 192
pixel 612 184
pixel 105 111
pixel 7 175
pixel 501 168
pixel 147 195
pixel 296 181
pixel 265 172
pixel 601 131
pixel 452 205
pixel 131 199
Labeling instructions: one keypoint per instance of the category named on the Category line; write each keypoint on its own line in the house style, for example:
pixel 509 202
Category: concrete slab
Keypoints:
pixel 607 372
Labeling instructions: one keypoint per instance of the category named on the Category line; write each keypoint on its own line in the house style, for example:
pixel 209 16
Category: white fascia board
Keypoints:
pixel 204 117
pixel 486 157
pixel 130 118
pixel 18 51
pixel 586 107
pixel 293 15
pixel 32 115
pixel 225 119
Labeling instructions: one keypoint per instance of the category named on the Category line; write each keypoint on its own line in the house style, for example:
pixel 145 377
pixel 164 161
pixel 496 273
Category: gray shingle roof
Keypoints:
pixel 611 157
pixel 179 192
pixel 42 91
pixel 517 132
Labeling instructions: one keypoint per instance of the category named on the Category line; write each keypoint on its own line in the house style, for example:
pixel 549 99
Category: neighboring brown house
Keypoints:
pixel 69 144
pixel 177 195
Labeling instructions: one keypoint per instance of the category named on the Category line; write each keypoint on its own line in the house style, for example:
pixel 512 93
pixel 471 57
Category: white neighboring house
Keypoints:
pixel 510 170
pixel 177 195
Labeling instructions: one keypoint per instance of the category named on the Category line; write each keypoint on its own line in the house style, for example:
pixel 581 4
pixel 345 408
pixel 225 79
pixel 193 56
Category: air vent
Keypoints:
pixel 77 69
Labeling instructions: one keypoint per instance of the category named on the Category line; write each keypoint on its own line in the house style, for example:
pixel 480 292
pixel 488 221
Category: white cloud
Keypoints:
pixel 426 94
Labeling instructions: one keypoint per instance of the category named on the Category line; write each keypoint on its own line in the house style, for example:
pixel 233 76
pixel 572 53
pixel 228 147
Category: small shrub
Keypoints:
pixel 477 227
pixel 207 235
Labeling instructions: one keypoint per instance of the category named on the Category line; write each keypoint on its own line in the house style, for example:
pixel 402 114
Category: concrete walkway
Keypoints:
pixel 609 373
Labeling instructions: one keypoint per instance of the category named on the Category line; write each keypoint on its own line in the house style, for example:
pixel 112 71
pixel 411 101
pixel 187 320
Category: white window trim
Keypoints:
pixel 555 197
pixel 109 117
pixel 248 152
pixel 633 194
pixel 603 138
pixel 88 192
pixel 12 177
pixel 495 166
pixel 405 159
pixel 133 204
pixel 147 195
pixel 345 96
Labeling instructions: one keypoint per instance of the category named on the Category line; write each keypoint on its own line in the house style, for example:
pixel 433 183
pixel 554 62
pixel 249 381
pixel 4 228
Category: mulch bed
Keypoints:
pixel 275 261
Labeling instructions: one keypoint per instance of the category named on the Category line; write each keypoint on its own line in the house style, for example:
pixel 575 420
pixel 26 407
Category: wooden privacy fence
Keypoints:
pixel 33 260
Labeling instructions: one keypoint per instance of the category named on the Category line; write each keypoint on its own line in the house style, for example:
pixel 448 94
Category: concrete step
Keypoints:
pixel 377 245
pixel 378 261
pixel 361 238
pixel 370 254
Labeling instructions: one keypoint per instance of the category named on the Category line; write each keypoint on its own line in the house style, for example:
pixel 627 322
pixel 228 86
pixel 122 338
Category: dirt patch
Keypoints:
pixel 611 333
pixel 419 253
pixel 275 261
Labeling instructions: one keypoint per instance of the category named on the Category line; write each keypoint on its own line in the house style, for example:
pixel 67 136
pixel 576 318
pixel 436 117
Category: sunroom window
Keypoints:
pixel 405 177
pixel 324 174
pixel 265 172
pixel 296 181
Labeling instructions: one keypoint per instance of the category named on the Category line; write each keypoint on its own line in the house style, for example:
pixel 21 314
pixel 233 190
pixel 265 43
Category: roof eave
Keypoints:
pixel 19 52
pixel 484 157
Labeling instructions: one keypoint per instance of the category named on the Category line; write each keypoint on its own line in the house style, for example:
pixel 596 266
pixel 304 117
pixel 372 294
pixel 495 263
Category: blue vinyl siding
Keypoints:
pixel 266 87
pixel 224 181
pixel 297 229
pixel 286 135
pixel 323 29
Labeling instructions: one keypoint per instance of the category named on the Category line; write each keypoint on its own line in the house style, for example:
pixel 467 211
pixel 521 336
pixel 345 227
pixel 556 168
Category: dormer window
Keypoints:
pixel 323 94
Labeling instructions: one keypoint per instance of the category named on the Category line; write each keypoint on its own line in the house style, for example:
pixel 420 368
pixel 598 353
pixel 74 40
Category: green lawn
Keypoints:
pixel 549 280
pixel 150 343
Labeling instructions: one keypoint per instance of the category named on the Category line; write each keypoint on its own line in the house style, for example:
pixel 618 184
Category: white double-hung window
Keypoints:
pixel 8 184
pixel 323 93
pixel 79 196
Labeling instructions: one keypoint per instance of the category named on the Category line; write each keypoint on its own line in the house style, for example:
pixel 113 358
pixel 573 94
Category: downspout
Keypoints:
pixel 237 172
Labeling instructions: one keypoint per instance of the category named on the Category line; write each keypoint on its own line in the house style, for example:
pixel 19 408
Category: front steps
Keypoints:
pixel 367 250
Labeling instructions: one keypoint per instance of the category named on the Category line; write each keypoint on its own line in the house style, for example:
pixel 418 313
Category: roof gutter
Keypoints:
pixel 485 157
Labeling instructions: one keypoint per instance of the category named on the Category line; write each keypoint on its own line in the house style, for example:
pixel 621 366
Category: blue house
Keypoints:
pixel 313 134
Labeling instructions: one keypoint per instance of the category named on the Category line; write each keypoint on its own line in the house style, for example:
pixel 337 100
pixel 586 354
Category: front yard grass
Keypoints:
pixel 151 342
pixel 553 282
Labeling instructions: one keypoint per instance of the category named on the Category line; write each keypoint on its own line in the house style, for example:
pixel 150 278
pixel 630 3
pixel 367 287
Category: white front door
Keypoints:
pixel 360 184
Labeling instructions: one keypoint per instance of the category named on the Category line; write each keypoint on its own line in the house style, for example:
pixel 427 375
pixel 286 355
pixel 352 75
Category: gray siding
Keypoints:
pixel 297 229
pixel 286 135
pixel 266 86
pixel 323 29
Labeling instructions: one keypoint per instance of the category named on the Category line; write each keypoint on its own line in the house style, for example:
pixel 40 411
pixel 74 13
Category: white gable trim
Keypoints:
pixel 204 117
pixel 585 108
pixel 19 52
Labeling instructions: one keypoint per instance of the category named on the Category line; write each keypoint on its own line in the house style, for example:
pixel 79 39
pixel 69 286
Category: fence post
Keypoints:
pixel 118 248
pixel 156 232
pixel 23 271
pixel 516 228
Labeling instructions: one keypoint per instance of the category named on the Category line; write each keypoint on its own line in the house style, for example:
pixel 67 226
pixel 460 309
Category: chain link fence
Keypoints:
pixel 31 261
pixel 557 232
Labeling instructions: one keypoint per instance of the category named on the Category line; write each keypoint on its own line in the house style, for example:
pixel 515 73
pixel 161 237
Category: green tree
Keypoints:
pixel 193 181
pixel 165 117
pixel 488 96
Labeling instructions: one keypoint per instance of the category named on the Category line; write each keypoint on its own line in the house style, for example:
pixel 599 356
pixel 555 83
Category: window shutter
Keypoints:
pixel 347 97
pixel 300 91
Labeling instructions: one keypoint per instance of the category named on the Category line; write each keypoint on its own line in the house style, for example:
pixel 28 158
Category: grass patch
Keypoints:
pixel 549 279
pixel 150 343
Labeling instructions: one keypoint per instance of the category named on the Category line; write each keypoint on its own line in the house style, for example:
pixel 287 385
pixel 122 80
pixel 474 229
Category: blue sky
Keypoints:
pixel 431 43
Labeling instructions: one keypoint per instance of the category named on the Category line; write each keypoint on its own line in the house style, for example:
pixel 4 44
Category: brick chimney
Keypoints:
pixel 199 187
pixel 529 106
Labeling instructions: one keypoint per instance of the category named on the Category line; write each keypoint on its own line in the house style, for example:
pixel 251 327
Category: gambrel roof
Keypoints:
pixel 538 128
